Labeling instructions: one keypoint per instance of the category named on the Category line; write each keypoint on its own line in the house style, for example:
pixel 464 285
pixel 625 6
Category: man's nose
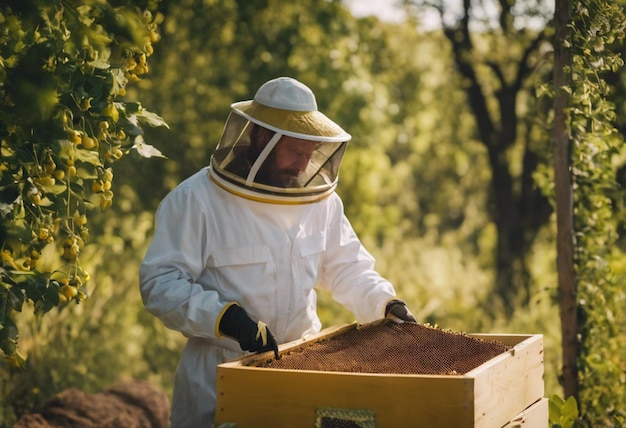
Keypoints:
pixel 302 162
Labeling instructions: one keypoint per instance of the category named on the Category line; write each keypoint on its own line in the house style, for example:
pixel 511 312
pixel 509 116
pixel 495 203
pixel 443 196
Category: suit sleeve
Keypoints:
pixel 349 271
pixel 173 263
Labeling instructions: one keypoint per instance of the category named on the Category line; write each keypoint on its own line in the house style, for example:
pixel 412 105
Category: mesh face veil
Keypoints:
pixel 278 147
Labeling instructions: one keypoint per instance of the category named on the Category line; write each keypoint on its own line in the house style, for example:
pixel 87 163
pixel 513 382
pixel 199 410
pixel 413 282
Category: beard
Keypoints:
pixel 284 178
pixel 270 175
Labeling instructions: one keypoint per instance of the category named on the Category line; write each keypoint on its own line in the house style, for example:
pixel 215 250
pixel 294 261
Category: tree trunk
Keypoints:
pixel 567 293
pixel 516 214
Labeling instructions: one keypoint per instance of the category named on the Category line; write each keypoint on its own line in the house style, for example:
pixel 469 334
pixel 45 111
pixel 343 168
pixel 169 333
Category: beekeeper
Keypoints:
pixel 240 245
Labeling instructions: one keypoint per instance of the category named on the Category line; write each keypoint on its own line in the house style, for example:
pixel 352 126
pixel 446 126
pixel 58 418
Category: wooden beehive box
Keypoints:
pixel 492 395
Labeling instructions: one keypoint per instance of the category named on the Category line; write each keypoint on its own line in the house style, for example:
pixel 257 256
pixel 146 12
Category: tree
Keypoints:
pixel 499 57
pixel 64 68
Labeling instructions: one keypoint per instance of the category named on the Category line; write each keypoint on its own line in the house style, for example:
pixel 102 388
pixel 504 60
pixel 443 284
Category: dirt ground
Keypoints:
pixel 130 404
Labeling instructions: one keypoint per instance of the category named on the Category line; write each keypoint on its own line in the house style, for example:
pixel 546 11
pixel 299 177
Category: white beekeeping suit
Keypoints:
pixel 237 234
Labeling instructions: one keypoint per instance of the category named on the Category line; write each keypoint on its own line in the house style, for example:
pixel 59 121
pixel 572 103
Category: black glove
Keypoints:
pixel 252 336
pixel 398 311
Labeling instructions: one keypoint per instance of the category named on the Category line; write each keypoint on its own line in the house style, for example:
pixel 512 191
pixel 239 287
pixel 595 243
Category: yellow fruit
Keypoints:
pixel 111 111
pixel 141 69
pixel 105 203
pixel 59 174
pixel 70 249
pixel 154 36
pixel 7 257
pixel 43 233
pixel 71 253
pixel 88 142
pixel 69 291
pixel 75 137
pixel 131 63
pixel 97 186
pixel 106 185
pixel 71 171
pixel 50 166
pixel 80 219
pixel 132 77
pixel 149 49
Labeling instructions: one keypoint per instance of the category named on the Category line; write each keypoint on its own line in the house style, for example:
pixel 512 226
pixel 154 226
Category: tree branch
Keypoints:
pixel 524 67
pixel 505 15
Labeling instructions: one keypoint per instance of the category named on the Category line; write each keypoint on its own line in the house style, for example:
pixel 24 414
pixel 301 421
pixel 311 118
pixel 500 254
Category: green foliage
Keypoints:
pixel 63 67
pixel 108 337
pixel 562 413
pixel 596 153
pixel 597 26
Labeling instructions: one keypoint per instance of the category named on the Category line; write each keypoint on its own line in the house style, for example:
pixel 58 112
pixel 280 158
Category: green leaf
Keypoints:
pixel 132 108
pixel 151 119
pixel 555 405
pixel 88 156
pixel 55 189
pixel 16 298
pixel 8 336
pixel 86 172
pixel 50 299
pixel 100 63
pixel 570 409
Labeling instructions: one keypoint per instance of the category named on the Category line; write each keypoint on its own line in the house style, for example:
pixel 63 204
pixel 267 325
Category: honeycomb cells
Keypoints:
pixel 391 348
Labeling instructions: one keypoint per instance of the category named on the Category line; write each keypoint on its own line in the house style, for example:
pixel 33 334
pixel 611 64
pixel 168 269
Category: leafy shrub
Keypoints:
pixel 64 68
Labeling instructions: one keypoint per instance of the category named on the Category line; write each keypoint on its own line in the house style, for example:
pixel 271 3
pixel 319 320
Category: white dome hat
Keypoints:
pixel 288 106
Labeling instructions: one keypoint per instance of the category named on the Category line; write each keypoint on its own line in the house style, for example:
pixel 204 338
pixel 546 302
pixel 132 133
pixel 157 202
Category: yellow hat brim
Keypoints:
pixel 306 124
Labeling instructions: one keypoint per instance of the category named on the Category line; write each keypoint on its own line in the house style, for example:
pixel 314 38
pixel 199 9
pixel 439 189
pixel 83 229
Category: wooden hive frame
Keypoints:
pixel 490 396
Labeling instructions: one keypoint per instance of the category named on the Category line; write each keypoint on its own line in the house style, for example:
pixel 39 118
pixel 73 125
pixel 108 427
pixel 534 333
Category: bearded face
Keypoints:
pixel 274 166
pixel 289 159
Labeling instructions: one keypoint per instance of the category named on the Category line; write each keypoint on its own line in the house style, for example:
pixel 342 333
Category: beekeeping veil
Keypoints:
pixel 282 107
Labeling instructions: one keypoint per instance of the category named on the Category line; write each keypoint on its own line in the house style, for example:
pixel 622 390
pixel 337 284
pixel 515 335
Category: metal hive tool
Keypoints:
pixel 393 348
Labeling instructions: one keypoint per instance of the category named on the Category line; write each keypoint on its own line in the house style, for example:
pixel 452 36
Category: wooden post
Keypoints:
pixel 564 201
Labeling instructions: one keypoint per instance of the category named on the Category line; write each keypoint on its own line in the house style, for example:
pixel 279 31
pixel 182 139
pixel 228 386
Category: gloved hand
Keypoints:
pixel 398 311
pixel 252 336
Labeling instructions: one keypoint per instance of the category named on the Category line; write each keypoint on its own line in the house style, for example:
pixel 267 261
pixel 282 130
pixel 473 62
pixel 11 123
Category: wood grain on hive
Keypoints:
pixel 387 375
